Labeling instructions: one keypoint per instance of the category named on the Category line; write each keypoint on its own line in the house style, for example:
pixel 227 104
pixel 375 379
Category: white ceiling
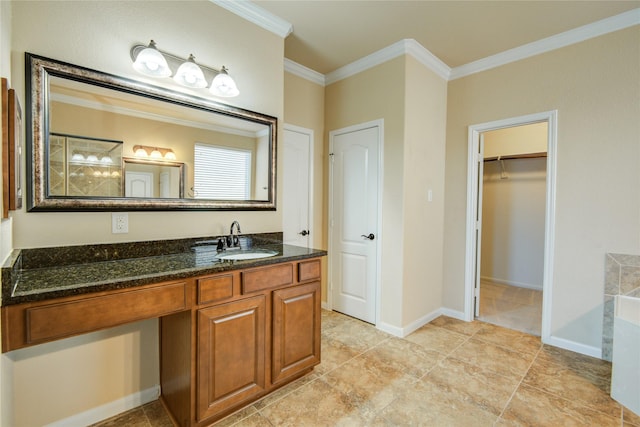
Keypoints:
pixel 330 34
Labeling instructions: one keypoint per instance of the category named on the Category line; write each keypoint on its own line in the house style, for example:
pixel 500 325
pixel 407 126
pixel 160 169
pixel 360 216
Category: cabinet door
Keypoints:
pixel 296 330
pixel 231 351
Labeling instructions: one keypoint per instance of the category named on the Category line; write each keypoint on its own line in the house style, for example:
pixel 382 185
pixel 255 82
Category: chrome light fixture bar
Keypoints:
pixel 150 61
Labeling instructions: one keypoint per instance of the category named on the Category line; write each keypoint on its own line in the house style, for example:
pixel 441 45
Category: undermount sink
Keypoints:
pixel 244 255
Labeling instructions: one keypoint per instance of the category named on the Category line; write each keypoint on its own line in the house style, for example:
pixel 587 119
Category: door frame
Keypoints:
pixel 379 123
pixel 473 158
pixel 310 134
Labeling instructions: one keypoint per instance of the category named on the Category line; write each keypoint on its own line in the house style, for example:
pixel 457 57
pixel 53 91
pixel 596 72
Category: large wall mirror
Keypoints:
pixel 96 141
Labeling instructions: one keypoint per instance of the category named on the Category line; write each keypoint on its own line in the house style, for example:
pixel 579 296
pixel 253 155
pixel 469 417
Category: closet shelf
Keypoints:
pixel 516 156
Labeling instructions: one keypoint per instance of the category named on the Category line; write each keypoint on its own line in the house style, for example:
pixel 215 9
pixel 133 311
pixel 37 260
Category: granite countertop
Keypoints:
pixel 38 274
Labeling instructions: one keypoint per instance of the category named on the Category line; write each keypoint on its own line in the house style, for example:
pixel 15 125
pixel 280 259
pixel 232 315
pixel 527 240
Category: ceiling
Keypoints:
pixel 329 34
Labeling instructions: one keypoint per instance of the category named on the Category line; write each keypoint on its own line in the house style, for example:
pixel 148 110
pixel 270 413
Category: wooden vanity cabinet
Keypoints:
pixel 250 332
pixel 231 353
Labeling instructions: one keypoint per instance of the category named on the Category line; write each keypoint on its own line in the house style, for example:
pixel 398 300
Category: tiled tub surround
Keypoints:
pixel 622 277
pixel 38 274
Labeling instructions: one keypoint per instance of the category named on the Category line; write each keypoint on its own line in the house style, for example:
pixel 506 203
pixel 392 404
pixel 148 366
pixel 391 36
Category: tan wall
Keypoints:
pixel 304 107
pixel 360 99
pixel 594 86
pixel 424 156
pixel 67 382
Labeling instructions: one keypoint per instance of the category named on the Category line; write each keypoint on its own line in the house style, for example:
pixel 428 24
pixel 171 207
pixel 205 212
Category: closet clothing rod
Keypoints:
pixel 516 156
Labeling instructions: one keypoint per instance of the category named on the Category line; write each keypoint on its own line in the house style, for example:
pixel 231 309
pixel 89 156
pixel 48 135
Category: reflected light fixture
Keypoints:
pixel 155 153
pixel 150 61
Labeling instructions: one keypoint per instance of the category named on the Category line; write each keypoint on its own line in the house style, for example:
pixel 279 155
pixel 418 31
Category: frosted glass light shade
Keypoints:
pixel 150 62
pixel 170 155
pixel 190 75
pixel 141 152
pixel 223 85
pixel 155 154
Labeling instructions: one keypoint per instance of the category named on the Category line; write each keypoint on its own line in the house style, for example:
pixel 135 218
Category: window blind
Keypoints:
pixel 221 173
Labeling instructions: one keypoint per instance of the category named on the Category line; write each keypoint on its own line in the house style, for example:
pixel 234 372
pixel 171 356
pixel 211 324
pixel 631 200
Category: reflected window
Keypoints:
pixel 221 173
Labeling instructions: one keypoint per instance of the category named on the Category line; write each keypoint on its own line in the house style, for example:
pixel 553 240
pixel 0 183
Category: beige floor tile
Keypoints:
pixel 156 414
pixel 333 353
pixel 584 379
pixel 357 335
pixel 132 418
pixel 532 407
pixel 255 420
pixel 630 418
pixel 438 339
pixel 474 385
pixel 237 417
pixel 455 325
pixel 369 384
pixel 493 358
pixel 427 404
pixel 405 356
pixel 283 391
pixel 509 338
pixel 315 404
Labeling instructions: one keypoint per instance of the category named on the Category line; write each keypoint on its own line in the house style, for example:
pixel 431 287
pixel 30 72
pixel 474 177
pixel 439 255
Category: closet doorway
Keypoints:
pixel 512 239
pixel 510 222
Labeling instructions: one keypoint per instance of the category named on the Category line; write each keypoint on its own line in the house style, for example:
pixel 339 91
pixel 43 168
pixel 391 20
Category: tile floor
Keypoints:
pixel 511 307
pixel 447 373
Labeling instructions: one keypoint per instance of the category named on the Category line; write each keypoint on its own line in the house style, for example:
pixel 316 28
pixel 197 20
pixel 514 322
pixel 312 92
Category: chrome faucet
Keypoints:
pixel 233 242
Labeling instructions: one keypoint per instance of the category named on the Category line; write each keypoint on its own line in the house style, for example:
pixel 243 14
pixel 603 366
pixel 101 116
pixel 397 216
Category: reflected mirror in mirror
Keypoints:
pixel 223 157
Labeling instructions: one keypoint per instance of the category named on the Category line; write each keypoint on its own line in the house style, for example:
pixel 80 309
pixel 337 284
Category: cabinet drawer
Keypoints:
pixel 267 278
pixel 309 270
pixel 211 289
pixel 58 320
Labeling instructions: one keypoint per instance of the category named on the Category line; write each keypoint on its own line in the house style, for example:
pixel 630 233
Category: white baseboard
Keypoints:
pixel 110 409
pixel 512 283
pixel 411 327
pixel 453 313
pixel 573 346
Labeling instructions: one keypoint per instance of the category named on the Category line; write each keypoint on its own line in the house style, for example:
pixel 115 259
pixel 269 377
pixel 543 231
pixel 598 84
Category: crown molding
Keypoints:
pixel 424 56
pixel 577 35
pixel 259 16
pixel 304 72
pixel 403 47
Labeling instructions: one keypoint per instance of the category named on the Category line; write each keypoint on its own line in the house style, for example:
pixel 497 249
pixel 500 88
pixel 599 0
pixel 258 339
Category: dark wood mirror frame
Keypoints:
pixel 39 69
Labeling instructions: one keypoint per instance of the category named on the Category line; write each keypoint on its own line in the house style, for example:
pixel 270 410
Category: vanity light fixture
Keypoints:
pixel 150 61
pixel 155 153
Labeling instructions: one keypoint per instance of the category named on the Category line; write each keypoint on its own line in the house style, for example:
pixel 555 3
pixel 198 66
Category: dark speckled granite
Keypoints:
pixel 44 273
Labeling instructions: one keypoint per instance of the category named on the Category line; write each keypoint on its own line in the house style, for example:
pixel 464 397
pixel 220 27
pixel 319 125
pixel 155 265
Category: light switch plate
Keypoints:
pixel 119 222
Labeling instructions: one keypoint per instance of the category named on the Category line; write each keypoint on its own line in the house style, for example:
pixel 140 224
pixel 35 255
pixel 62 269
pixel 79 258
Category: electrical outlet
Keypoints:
pixel 119 222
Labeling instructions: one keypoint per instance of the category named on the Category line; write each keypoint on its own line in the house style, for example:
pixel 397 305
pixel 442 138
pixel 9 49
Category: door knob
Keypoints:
pixel 304 232
pixel 371 236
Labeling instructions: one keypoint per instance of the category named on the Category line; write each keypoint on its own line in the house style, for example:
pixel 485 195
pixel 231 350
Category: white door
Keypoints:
pixel 138 184
pixel 354 220
pixel 296 192
pixel 478 237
